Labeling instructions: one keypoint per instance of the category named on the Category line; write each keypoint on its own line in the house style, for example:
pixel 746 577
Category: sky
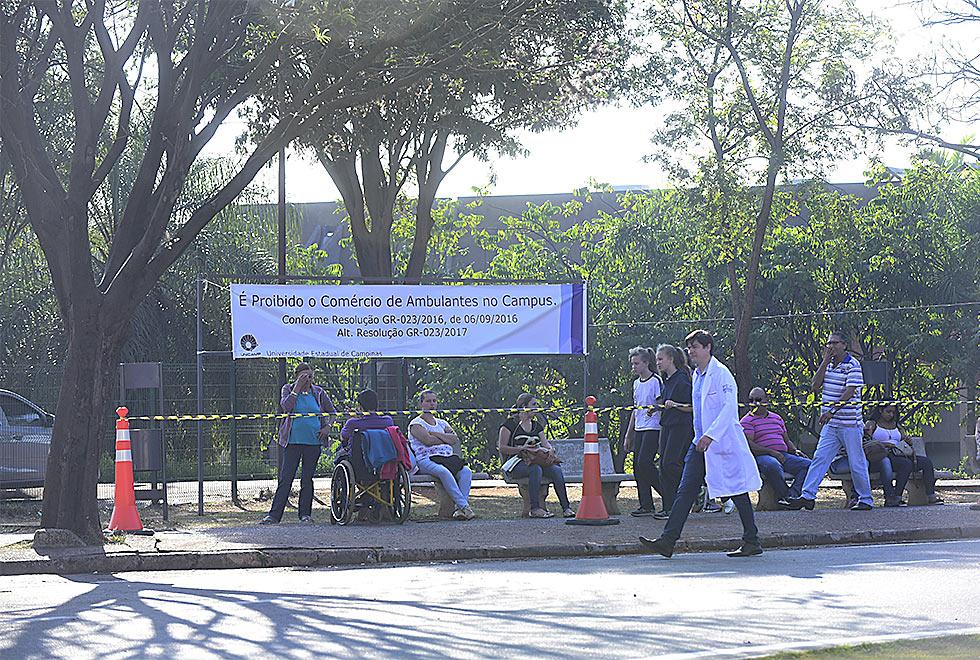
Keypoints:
pixel 607 145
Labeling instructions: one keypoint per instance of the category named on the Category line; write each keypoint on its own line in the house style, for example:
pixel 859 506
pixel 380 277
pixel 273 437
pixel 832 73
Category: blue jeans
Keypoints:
pixel 291 457
pixel 895 471
pixel 645 446
pixel 458 490
pixel 772 473
pixel 534 474
pixel 832 438
pixel 691 482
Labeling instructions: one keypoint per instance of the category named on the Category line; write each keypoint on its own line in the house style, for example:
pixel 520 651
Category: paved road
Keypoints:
pixel 691 606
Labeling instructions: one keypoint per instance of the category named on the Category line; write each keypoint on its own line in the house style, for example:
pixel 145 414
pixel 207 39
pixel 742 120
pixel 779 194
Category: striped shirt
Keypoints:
pixel 836 380
pixel 767 431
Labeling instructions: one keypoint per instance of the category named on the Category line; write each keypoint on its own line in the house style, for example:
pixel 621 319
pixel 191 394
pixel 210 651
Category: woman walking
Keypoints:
pixel 676 422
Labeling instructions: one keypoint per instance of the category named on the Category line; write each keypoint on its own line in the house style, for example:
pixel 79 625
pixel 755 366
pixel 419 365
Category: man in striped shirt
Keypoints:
pixel 840 377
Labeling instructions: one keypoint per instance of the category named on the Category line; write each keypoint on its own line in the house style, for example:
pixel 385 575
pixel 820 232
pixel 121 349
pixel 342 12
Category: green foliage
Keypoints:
pixel 660 262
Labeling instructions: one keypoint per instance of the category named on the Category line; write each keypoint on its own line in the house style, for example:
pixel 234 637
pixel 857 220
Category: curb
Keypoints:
pixel 290 557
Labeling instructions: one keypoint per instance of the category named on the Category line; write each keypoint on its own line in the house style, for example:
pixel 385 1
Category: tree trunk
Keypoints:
pixel 743 331
pixel 96 338
pixel 423 232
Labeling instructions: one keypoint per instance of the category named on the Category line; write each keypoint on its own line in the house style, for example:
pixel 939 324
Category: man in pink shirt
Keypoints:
pixel 774 452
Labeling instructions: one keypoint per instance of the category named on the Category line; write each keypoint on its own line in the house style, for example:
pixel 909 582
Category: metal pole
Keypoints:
pixel 585 376
pixel 200 403
pixel 281 218
pixel 163 445
pixel 233 431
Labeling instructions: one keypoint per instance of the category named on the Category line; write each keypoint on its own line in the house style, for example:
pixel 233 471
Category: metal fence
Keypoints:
pixel 236 452
pixel 240 457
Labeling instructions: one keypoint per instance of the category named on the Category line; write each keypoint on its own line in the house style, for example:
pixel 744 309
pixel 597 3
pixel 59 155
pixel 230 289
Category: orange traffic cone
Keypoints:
pixel 591 510
pixel 125 517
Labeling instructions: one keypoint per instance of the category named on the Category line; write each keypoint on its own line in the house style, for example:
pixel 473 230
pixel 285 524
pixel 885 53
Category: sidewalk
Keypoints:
pixel 293 544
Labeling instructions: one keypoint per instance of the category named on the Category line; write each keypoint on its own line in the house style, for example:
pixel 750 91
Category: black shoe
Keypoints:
pixel 747 551
pixel 861 506
pixel 661 546
pixel 797 503
pixel 661 515
pixel 642 512
pixel 784 503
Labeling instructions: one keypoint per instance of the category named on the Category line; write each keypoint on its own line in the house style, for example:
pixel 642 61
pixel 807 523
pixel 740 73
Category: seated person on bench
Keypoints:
pixel 901 461
pixel 432 440
pixel 774 452
pixel 522 435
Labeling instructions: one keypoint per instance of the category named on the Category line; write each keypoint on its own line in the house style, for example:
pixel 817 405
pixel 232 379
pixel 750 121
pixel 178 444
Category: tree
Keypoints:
pixel 916 100
pixel 544 66
pixel 766 86
pixel 186 66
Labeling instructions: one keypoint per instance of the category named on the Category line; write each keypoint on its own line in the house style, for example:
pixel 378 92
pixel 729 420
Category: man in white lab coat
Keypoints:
pixel 720 454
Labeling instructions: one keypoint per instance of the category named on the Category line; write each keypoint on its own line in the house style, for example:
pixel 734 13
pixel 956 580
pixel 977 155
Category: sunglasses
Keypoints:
pixel 756 400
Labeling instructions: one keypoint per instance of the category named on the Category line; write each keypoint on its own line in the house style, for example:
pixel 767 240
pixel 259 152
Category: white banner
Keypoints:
pixel 282 320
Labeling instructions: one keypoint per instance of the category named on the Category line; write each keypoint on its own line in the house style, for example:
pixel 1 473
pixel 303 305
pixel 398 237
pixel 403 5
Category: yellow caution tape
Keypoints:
pixel 512 411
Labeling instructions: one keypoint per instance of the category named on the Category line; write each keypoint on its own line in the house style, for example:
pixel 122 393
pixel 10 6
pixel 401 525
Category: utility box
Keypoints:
pixel 141 384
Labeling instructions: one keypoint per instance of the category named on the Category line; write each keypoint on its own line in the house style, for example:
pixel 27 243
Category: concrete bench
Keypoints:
pixel 767 495
pixel 572 452
pixel 433 489
pixel 915 488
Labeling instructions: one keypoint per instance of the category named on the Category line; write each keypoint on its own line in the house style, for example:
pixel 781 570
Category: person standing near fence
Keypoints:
pixel 676 422
pixel 302 438
pixel 720 456
pixel 840 378
pixel 643 432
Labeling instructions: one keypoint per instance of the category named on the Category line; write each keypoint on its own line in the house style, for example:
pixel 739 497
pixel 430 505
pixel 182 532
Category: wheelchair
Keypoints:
pixel 356 489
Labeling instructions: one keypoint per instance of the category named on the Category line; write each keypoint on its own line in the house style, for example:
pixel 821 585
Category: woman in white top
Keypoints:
pixel 432 441
pixel 901 461
pixel 642 436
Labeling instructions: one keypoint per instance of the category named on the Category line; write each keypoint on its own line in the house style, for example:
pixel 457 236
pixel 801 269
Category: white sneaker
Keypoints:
pixel 468 512
pixel 459 514
pixel 728 507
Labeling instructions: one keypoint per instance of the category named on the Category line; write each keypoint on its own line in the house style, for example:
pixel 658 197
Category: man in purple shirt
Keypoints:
pixel 774 452
pixel 367 405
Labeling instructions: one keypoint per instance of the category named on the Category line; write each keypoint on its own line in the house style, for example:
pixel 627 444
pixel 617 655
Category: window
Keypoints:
pixel 19 413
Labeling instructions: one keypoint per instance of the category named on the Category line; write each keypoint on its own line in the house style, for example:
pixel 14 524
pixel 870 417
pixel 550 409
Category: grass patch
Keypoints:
pixel 957 647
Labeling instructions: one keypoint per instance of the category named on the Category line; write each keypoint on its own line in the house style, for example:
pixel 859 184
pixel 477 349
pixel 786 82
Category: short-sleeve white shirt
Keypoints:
pixel 645 393
pixel 422 450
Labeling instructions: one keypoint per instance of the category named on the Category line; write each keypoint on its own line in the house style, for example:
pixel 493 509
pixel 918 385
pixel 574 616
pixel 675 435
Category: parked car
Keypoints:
pixel 25 439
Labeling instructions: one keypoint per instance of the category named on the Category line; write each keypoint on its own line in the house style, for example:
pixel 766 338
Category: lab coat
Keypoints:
pixel 730 467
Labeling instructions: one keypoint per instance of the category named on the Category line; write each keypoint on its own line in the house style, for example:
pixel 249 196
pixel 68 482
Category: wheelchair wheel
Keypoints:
pixel 401 497
pixel 342 493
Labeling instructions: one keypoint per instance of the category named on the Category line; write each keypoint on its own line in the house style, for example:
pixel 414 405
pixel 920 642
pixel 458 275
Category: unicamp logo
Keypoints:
pixel 249 343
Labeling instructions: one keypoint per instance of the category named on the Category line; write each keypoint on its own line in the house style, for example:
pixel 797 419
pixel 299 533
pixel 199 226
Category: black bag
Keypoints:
pixel 452 463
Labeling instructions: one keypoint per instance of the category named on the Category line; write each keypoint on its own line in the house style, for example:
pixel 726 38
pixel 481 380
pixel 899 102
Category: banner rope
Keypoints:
pixel 348 413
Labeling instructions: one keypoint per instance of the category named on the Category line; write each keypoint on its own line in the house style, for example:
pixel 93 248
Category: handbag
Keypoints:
pixel 903 449
pixel 874 450
pixel 452 463
pixel 543 458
